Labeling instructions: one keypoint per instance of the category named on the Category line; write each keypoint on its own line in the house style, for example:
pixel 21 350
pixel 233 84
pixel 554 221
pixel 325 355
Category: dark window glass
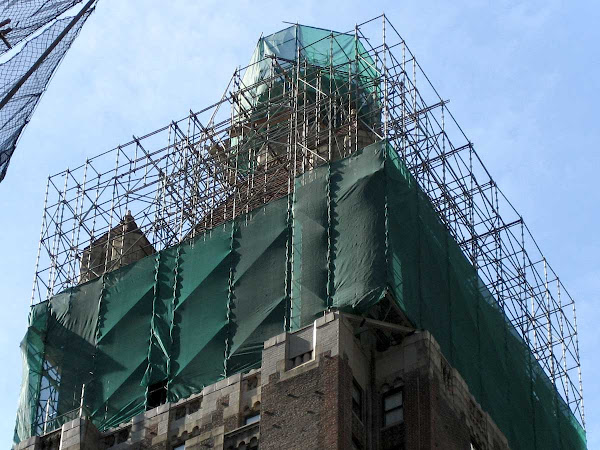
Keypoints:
pixel 251 419
pixel 157 395
pixel 393 407
pixel 357 396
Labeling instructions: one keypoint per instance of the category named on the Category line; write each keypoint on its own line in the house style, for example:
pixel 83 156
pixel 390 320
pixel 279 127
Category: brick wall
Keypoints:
pixel 306 403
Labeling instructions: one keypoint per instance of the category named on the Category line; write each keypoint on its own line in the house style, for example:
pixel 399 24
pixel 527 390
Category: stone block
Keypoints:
pixel 270 342
pixel 67 426
pixel 72 424
pixel 228 390
pixel 31 442
pixel 159 439
pixel 138 426
pixel 151 413
pixel 234 397
pixel 208 389
pixel 71 433
pixel 66 443
pixel 281 338
pixel 237 378
pixel 220 385
pixel 164 408
pixel 137 435
pixel 163 427
pixel 192 441
pixel 205 420
pixel 139 418
pixel 208 406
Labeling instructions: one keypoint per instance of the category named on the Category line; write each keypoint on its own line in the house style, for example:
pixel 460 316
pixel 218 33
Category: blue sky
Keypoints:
pixel 523 79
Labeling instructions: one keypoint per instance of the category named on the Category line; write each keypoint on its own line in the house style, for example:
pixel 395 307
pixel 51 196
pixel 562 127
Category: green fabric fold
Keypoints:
pixel 354 230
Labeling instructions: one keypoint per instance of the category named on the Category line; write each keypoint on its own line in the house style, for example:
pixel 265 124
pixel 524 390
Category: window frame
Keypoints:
pixel 386 395
pixel 251 419
pixel 156 394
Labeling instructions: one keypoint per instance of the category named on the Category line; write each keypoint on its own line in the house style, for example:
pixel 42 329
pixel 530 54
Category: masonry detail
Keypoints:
pixel 309 406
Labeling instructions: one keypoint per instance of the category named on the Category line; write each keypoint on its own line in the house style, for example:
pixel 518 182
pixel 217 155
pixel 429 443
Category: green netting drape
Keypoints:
pixel 188 315
pixel 123 342
pixel 200 314
pixel 258 288
pixel 32 351
pixel 439 290
pixel 311 256
pixel 350 68
pixel 318 46
pixel 353 230
pixel 70 340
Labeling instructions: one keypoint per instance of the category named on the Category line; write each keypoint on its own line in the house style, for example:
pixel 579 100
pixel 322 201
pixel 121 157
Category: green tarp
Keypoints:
pixel 353 231
pixel 352 72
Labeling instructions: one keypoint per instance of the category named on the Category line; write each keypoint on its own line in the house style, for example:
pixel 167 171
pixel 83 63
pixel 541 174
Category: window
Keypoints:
pixel 300 359
pixel 48 397
pixel 251 383
pixel 180 413
pixel 357 399
pixel 393 407
pixel 179 447
pixel 251 419
pixel 157 395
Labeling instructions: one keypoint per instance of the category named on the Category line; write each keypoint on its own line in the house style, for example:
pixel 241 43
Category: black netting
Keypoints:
pixel 27 16
pixel 16 113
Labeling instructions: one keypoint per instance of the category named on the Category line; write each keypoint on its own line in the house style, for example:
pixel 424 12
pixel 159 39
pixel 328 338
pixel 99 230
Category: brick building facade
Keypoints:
pixel 331 385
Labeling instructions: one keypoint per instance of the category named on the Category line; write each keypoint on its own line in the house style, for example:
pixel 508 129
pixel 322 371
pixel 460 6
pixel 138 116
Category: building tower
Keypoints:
pixel 315 261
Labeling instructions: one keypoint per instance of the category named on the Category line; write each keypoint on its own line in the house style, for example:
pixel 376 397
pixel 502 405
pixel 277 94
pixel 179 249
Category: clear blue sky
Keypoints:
pixel 523 79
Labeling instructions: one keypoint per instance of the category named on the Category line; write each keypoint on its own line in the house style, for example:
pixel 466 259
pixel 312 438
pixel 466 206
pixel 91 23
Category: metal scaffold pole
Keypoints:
pixel 283 115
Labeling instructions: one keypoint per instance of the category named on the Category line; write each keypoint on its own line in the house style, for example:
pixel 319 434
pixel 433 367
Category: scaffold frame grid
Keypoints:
pixel 246 149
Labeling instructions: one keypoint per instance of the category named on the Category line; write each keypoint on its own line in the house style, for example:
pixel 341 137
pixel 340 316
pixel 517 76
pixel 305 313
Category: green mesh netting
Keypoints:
pixel 32 351
pixel 353 230
pixel 336 62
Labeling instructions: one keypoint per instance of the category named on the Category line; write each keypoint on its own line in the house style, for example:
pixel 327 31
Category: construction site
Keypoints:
pixel 326 216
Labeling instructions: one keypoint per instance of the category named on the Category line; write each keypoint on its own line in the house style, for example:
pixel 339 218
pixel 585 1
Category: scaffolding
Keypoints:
pixel 308 97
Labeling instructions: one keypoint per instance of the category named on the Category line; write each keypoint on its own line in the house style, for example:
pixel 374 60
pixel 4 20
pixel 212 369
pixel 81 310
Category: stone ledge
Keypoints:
pixel 31 442
pixel 302 368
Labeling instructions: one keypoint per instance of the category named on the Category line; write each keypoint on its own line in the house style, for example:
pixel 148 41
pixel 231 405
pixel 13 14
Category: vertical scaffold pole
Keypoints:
pixel 330 93
pixel 562 340
pixel 582 410
pixel 403 91
pixel 549 323
pixel 39 250
pixel 357 79
pixel 109 238
pixel 295 99
pixel 79 219
pixel 57 236
pixel 46 415
pixel 93 229
pixel 81 403
pixel 385 83
pixel 235 119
